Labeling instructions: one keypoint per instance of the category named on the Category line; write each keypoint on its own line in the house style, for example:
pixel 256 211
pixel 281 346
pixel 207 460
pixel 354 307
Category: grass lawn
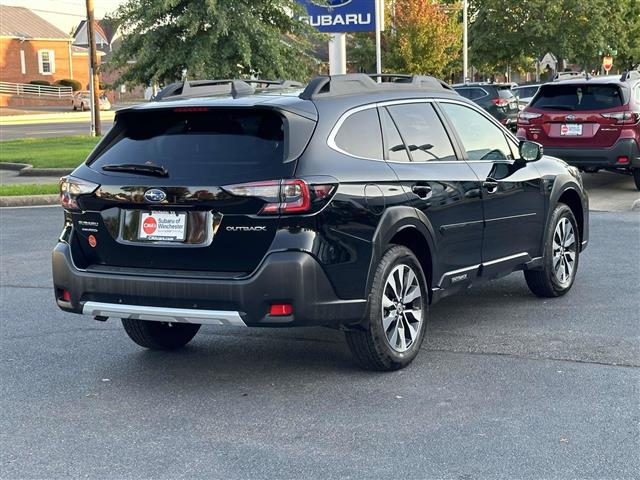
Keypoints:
pixel 56 152
pixel 27 189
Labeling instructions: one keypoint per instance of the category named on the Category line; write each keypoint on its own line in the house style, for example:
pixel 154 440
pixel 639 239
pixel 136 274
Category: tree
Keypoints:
pixel 423 36
pixel 504 32
pixel 211 39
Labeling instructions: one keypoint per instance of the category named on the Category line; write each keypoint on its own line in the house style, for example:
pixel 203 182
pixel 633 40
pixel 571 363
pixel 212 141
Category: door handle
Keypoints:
pixel 423 191
pixel 491 185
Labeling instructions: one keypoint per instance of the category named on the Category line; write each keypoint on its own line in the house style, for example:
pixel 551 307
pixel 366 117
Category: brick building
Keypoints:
pixel 33 49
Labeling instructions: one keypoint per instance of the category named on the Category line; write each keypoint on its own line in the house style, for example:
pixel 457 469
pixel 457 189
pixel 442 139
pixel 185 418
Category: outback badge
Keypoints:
pixel 155 195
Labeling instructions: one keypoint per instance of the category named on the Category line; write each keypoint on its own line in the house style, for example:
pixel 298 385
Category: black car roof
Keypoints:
pixel 303 101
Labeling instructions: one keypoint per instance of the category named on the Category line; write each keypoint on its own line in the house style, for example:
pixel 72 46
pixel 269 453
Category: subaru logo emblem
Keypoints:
pixel 570 118
pixel 331 3
pixel 154 195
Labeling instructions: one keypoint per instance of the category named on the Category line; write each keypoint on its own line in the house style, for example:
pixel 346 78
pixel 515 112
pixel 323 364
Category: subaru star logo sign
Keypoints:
pixel 331 3
pixel 570 118
pixel 336 16
pixel 155 195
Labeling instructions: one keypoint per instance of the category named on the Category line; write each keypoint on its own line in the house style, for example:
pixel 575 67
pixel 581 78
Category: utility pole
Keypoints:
pixel 94 83
pixel 465 42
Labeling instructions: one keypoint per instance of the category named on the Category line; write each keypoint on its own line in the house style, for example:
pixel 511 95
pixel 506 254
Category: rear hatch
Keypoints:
pixel 187 189
pixel 507 101
pixel 576 115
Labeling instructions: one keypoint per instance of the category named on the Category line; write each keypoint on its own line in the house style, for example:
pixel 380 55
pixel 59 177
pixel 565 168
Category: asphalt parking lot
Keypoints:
pixel 507 385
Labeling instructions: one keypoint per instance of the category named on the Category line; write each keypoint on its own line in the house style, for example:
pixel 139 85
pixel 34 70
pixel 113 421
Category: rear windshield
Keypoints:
pixel 505 92
pixel 207 143
pixel 526 92
pixel 578 97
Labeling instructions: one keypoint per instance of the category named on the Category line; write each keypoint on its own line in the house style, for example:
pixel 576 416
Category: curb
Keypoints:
pixel 27 170
pixel 29 200
pixel 60 117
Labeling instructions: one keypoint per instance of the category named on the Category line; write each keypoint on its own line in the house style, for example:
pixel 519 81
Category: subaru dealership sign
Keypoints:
pixel 334 16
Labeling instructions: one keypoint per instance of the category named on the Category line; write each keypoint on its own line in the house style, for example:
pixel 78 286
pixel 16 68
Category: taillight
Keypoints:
pixel 284 196
pixel 524 117
pixel 623 118
pixel 500 102
pixel 71 188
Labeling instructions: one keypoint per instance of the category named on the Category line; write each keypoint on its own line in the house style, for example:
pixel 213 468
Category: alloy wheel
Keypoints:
pixel 402 308
pixel 564 252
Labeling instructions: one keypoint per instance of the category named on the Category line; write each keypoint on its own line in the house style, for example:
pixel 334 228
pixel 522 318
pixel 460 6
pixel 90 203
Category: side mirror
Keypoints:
pixel 530 151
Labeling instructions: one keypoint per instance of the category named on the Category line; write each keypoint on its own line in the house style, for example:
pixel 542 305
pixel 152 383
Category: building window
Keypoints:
pixel 23 65
pixel 46 62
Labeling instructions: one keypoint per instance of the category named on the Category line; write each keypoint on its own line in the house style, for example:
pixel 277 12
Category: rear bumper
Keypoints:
pixel 599 157
pixel 289 277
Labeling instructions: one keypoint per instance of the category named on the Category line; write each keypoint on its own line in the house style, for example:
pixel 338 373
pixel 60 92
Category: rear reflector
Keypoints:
pixel 280 309
pixel 623 160
pixel 66 296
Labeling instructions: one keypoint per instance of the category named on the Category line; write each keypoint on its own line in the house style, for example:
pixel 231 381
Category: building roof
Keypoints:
pixel 103 33
pixel 20 22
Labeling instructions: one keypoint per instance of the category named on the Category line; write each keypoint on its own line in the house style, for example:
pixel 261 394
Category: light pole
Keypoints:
pixel 465 42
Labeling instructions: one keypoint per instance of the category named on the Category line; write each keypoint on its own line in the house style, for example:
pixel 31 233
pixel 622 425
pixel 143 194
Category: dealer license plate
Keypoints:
pixel 164 226
pixel 571 129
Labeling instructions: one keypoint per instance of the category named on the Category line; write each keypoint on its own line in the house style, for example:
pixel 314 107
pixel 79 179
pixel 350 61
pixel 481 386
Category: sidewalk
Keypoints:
pixel 53 117
pixel 11 177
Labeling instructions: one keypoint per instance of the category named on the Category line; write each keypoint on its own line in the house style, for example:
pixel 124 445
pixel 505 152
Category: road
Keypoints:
pixel 10 132
pixel 507 385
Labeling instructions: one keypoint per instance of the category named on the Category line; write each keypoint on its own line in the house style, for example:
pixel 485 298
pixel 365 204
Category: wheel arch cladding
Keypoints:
pixel 571 198
pixel 415 241
pixel 402 226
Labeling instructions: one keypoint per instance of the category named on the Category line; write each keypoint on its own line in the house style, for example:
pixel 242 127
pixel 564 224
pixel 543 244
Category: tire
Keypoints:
pixel 73 105
pixel 557 274
pixel 160 335
pixel 372 344
pixel 636 177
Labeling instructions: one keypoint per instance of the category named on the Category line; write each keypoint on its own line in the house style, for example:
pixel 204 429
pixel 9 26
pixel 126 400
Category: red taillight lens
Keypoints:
pixel 283 196
pixel 524 117
pixel 71 188
pixel 66 296
pixel 623 160
pixel 623 118
pixel 280 309
pixel 500 102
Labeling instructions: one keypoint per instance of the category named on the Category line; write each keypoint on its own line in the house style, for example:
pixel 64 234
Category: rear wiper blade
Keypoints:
pixel 141 168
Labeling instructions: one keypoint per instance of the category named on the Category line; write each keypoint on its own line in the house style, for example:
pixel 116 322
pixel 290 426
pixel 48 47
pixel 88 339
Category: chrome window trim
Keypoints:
pixel 331 140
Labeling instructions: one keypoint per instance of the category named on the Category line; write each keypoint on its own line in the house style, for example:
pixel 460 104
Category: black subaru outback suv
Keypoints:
pixel 348 203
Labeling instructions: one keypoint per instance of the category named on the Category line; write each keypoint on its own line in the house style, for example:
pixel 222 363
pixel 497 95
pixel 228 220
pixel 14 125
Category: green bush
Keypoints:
pixel 40 82
pixel 68 82
pixel 106 86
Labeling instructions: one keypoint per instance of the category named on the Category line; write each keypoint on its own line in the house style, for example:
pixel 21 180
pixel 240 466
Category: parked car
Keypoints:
pixel 82 101
pixel 496 98
pixel 525 94
pixel 273 209
pixel 590 122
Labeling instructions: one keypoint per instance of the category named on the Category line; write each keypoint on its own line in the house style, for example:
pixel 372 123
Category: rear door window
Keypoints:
pixel 360 136
pixel 505 92
pixel 198 143
pixel 395 149
pixel 422 132
pixel 578 97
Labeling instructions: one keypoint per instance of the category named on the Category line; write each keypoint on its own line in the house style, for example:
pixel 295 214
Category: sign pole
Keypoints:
pixel 465 42
pixel 338 54
pixel 379 13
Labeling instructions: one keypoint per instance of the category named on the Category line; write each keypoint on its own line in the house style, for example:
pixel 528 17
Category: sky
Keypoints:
pixel 65 14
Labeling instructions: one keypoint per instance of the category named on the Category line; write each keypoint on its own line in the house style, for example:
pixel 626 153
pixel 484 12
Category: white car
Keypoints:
pixel 525 94
pixel 82 101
